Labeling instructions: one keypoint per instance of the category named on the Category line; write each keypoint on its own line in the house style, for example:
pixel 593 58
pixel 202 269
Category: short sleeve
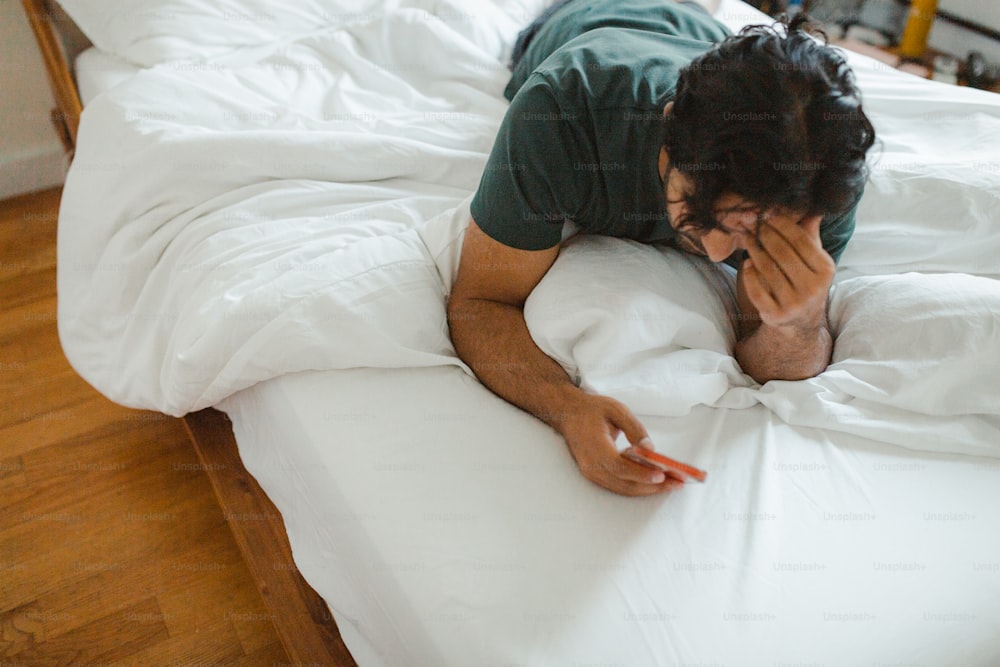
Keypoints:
pixel 533 182
pixel 836 232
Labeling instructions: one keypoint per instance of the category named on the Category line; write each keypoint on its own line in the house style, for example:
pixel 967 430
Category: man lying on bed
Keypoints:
pixel 756 159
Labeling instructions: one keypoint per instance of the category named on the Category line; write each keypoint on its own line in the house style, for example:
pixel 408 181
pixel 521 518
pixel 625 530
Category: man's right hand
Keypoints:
pixel 486 319
pixel 590 429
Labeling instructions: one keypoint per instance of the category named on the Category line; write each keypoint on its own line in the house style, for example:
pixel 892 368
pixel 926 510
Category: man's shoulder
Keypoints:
pixel 616 67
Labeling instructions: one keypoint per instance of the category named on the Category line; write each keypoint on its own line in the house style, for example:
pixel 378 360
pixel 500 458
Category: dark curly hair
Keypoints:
pixel 773 115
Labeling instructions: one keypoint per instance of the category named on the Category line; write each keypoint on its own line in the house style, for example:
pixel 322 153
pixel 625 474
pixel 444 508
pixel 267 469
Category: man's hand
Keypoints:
pixel 782 289
pixel 590 429
pixel 486 319
pixel 788 274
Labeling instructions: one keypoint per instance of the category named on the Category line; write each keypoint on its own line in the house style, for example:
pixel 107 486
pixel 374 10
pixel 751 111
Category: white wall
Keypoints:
pixel 952 39
pixel 985 12
pixel 31 155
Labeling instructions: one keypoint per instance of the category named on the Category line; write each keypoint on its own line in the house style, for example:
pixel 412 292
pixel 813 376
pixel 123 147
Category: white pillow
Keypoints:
pixel 924 343
pixel 931 202
pixel 653 327
pixel 650 326
pixel 151 32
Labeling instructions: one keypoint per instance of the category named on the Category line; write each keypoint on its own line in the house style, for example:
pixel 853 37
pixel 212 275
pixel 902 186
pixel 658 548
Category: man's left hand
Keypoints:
pixel 788 274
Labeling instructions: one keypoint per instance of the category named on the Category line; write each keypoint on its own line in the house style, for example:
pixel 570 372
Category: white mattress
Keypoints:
pixel 97 71
pixel 445 527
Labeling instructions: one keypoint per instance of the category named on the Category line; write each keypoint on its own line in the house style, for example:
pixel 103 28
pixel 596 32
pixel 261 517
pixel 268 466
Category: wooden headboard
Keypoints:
pixel 60 41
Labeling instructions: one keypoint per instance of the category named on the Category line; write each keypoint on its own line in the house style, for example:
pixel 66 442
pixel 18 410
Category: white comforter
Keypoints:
pixel 300 206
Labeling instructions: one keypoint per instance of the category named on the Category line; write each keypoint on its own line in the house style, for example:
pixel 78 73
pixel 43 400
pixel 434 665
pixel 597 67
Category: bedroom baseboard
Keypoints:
pixel 32 170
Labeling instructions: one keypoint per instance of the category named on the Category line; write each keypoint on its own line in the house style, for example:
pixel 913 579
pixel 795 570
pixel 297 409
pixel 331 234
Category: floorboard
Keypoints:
pixel 113 548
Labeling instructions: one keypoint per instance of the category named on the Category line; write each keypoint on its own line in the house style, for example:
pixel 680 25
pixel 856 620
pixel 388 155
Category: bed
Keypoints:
pixel 264 215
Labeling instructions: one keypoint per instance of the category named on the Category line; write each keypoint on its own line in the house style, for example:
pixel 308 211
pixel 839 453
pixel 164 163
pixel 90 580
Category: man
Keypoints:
pixel 645 119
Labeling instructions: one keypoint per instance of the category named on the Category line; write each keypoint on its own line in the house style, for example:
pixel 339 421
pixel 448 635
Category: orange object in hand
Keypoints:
pixel 682 472
pixel 918 27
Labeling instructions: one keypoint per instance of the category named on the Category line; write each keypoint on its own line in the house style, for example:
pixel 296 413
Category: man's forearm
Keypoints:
pixel 493 339
pixel 777 353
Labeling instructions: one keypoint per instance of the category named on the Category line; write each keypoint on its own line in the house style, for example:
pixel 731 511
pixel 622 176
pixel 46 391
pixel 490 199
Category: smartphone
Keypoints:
pixel 675 469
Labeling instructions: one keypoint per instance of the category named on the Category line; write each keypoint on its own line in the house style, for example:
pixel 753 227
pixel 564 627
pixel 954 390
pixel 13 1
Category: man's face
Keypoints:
pixel 737 218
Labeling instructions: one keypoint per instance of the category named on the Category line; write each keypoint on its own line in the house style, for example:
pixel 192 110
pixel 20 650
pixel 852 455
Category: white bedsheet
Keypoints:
pixel 445 527
pixel 247 230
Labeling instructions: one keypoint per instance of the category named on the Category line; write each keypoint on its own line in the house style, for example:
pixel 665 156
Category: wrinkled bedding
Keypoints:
pixel 230 220
pixel 269 220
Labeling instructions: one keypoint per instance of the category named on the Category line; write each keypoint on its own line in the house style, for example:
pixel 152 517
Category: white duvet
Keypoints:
pixel 299 205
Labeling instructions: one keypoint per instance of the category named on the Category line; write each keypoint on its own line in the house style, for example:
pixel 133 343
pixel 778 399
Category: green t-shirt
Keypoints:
pixel 577 17
pixel 581 140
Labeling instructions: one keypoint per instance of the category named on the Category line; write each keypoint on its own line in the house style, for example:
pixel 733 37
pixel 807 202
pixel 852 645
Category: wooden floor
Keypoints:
pixel 113 549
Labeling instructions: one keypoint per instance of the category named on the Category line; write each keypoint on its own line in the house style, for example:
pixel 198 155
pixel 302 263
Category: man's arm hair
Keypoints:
pixel 771 353
pixel 486 318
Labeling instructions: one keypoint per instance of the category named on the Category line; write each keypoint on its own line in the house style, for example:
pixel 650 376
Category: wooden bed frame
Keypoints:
pixel 301 617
